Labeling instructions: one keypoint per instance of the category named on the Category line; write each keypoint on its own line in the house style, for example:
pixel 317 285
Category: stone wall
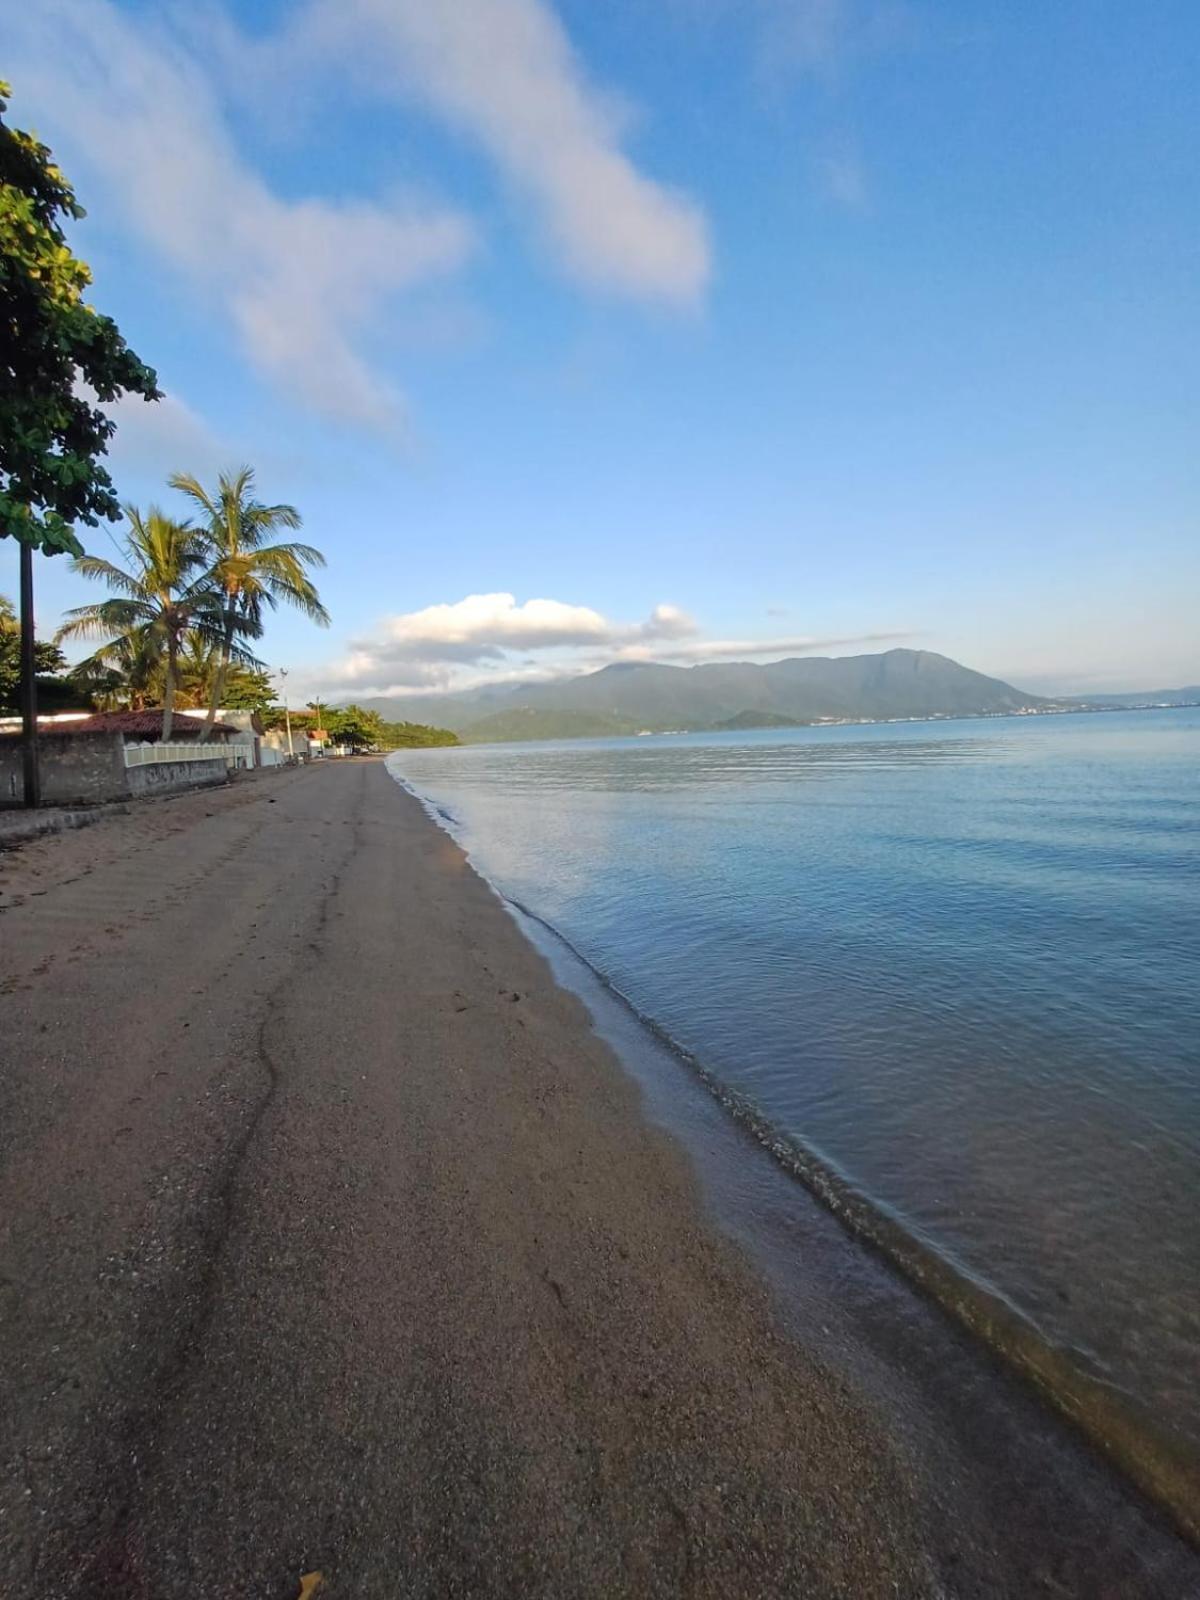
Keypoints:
pixel 77 769
pixel 89 768
pixel 168 777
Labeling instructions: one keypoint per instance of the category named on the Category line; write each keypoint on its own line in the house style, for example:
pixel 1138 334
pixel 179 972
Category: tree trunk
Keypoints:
pixel 218 689
pixel 29 732
pixel 169 687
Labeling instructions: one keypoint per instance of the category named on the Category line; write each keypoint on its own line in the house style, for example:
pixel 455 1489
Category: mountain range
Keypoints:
pixel 634 697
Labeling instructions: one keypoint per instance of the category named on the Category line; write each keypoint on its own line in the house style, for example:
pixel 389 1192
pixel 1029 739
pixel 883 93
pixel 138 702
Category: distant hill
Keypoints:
pixel 633 697
pixel 755 719
pixel 527 722
pixel 1137 699
pixel 414 736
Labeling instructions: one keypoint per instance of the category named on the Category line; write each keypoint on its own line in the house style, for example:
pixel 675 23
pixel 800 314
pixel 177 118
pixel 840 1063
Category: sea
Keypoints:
pixel 948 971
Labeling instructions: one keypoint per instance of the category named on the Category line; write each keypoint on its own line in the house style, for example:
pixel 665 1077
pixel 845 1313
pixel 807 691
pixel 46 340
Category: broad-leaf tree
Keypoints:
pixel 54 689
pixel 164 595
pixel 59 359
pixel 248 689
pixel 354 726
pixel 251 570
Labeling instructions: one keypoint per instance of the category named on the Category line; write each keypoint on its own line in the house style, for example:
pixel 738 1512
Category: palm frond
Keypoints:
pixel 195 490
pixel 106 572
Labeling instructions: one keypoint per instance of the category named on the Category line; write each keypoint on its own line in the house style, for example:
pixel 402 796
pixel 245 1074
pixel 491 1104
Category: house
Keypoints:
pixel 135 727
pixel 90 757
pixel 145 727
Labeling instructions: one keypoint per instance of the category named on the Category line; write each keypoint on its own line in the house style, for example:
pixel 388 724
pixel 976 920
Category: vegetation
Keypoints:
pixel 56 691
pixel 59 361
pixel 176 625
pixel 358 728
pixel 756 719
pixel 415 736
pixel 249 572
pixel 504 727
pixel 246 689
pixel 163 602
pixel 58 358
pixel 353 727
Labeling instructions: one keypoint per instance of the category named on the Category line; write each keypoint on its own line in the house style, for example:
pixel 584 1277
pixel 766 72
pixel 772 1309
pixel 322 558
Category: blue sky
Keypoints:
pixel 715 327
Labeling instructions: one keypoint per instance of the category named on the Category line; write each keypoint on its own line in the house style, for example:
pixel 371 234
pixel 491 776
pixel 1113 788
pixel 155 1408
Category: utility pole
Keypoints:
pixel 287 715
pixel 29 732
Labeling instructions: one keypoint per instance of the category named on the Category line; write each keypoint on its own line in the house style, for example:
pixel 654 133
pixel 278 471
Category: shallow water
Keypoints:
pixel 958 961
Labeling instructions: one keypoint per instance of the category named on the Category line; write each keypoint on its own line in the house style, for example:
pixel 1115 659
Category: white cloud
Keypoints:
pixel 491 638
pixel 136 106
pixel 418 647
pixel 504 72
pixel 300 279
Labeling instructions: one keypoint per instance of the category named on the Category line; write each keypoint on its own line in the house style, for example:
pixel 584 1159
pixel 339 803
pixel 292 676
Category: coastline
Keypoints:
pixel 1154 1458
pixel 373 1259
pixel 1156 1463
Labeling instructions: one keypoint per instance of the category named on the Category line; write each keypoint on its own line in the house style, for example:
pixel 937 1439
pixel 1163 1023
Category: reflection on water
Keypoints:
pixel 640 766
pixel 959 959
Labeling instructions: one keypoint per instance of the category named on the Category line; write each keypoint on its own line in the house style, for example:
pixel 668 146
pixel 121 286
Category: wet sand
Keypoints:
pixel 333 1238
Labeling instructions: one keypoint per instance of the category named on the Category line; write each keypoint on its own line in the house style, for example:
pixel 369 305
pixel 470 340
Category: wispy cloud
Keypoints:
pixel 814 34
pixel 815 37
pixel 843 177
pixel 139 109
pixel 819 44
pixel 775 649
pixel 299 279
pixel 505 74
pixel 160 437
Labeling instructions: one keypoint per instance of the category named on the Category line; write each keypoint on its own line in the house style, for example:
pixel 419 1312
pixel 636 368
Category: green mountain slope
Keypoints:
pixel 756 719
pixel 632 696
pixel 525 722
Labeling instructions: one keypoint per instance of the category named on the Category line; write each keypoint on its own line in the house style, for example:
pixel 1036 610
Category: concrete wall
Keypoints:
pixel 88 768
pixel 168 777
pixel 77 768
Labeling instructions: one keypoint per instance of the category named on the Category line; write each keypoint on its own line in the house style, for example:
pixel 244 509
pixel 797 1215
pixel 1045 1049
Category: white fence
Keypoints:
pixel 139 755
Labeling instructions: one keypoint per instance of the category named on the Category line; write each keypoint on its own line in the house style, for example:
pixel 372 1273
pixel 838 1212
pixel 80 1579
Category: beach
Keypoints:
pixel 335 1240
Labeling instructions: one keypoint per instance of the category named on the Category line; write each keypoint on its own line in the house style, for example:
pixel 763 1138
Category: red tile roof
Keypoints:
pixel 136 725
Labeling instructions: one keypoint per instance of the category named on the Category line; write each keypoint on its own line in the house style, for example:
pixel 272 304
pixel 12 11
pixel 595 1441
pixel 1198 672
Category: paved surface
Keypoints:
pixel 332 1240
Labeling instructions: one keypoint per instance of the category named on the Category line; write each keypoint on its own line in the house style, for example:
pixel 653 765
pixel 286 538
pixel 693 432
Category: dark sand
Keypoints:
pixel 332 1237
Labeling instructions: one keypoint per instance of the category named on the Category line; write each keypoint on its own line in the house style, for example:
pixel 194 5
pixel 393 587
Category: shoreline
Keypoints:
pixel 434 1300
pixel 1154 1463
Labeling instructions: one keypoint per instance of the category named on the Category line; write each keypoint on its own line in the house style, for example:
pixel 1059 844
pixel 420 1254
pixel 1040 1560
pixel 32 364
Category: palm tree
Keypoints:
pixel 122 675
pixel 201 655
pixel 165 592
pixel 249 572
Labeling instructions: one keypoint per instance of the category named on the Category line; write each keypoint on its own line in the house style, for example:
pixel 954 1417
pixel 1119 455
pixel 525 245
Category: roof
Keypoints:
pixel 139 725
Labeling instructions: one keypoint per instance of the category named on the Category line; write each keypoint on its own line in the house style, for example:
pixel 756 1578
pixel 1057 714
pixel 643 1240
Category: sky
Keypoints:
pixel 669 329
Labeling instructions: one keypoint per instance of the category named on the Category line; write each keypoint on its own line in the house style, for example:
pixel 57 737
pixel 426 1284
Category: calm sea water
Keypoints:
pixel 958 961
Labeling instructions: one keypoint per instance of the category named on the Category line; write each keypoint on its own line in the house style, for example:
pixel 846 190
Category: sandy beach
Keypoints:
pixel 333 1238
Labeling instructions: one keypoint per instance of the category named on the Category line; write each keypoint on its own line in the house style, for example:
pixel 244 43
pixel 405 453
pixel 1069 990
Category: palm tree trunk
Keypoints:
pixel 218 688
pixel 169 687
